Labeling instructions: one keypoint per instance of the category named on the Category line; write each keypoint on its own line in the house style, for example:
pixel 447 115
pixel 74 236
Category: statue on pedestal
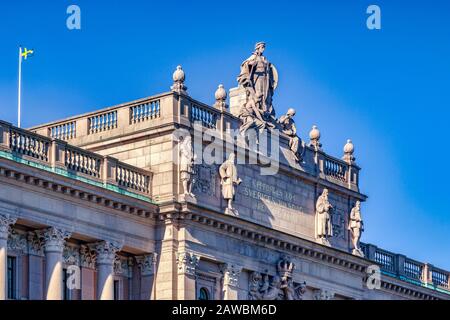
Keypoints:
pixel 356 227
pixel 324 226
pixel 187 158
pixel 229 181
pixel 260 79
pixel 288 127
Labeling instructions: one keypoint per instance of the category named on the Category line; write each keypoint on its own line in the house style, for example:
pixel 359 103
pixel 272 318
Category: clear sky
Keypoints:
pixel 387 90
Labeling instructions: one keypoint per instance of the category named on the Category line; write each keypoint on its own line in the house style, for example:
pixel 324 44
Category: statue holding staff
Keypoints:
pixel 356 227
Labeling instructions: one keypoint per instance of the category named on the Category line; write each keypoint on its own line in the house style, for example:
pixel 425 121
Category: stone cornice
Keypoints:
pixel 265 236
pixel 79 190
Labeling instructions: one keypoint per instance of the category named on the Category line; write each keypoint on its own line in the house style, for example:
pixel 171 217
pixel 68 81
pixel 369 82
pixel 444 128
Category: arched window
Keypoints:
pixel 203 294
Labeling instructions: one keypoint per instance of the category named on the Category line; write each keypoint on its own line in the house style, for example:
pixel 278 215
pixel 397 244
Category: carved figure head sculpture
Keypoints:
pixel 260 47
pixel 291 112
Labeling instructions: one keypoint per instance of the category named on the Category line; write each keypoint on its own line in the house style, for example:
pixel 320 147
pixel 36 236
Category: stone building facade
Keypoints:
pixel 94 207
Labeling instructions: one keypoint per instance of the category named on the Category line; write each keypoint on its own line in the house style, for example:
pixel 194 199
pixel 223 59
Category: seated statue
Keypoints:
pixel 287 126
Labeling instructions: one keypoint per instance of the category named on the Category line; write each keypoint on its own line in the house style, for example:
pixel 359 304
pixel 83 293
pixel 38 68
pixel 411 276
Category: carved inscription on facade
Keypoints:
pixel 269 195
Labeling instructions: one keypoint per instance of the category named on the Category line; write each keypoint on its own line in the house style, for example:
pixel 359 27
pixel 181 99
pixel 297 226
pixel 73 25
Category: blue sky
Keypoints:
pixel 387 90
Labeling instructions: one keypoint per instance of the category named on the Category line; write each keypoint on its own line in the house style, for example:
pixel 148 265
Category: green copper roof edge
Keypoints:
pixel 417 283
pixel 67 174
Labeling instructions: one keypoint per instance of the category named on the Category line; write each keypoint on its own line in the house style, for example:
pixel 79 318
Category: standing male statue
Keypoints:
pixel 356 227
pixel 187 158
pixel 229 181
pixel 288 127
pixel 260 79
pixel 324 227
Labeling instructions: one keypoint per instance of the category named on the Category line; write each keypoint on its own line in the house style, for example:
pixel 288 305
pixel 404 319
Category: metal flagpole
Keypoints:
pixel 19 86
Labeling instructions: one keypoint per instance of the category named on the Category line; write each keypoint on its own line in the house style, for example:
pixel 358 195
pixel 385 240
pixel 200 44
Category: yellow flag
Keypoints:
pixel 26 52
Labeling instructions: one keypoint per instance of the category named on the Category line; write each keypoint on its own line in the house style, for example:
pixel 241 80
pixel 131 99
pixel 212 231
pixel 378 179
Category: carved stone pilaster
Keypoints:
pixel 88 258
pixel 106 252
pixel 321 294
pixel 17 242
pixel 187 263
pixel 5 225
pixel 130 262
pixel 231 273
pixel 54 239
pixel 71 255
pixel 35 244
pixel 121 266
pixel 146 264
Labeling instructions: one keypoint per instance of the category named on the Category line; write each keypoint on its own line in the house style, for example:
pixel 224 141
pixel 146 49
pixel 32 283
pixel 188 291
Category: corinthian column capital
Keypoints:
pixel 146 264
pixel 187 263
pixel 106 252
pixel 231 273
pixel 5 225
pixel 54 239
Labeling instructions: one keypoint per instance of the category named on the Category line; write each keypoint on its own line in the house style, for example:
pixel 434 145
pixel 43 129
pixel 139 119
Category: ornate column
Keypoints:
pixel 106 253
pixel 54 239
pixel 146 265
pixel 231 273
pixel 187 263
pixel 5 226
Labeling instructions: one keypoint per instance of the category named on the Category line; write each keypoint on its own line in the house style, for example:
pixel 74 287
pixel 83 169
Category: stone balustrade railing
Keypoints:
pixel 64 131
pixel 59 155
pixel 170 108
pixel 104 120
pixel 398 265
pixel 26 143
pixel 206 115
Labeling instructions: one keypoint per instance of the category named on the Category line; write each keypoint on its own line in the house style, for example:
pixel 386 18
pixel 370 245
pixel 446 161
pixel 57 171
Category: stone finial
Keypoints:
pixel 314 136
pixel 221 97
pixel 349 149
pixel 178 81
